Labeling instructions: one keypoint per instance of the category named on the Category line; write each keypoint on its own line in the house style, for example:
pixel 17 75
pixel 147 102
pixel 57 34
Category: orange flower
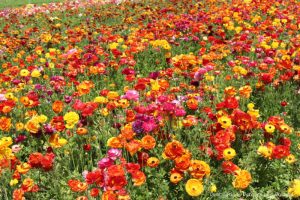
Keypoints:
pixel 230 91
pixel 245 91
pixel 138 178
pixel 57 106
pixel 23 168
pixel 176 176
pixel 198 169
pixel 148 142
pixel 81 131
pixel 130 116
pixel 18 194
pixel 85 87
pixel 127 132
pixel 242 180
pixel 112 95
pixel 152 162
pixel 5 124
pixel 183 162
pixel 27 184
pixel 82 198
pixel 6 109
pixel 77 186
pixel 32 126
pixel 114 142
pixel 189 121
pixel 109 195
pixel 173 149
pixel 133 146
pixel 192 104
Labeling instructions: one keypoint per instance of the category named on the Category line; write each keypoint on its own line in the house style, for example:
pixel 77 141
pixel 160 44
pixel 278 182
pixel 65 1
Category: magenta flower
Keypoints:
pixel 149 126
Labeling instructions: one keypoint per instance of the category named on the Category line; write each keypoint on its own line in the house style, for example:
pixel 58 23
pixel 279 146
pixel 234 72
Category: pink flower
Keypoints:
pixel 84 173
pixel 114 153
pixel 180 112
pixel 16 148
pixel 105 162
pixel 131 95
pixel 2 97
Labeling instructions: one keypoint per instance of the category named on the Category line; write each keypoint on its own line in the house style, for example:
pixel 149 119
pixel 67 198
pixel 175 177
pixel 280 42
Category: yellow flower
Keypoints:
pixel 294 188
pixel 24 72
pixel 224 121
pixel 275 45
pixel 155 85
pixel 101 100
pixel 251 111
pixel 290 159
pixel 113 45
pixel 269 128
pixel 9 95
pixel 57 142
pixel 42 118
pixel 213 188
pixel 35 73
pixel 71 119
pixel 123 103
pixel 120 40
pixel 229 153
pixel 23 168
pixel 13 182
pixel 112 95
pixel 33 125
pixel 104 112
pixel 19 126
pixel 264 151
pixel 5 142
pixel 46 37
pixel 194 187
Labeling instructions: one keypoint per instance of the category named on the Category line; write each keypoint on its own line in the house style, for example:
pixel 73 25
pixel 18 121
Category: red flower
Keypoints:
pixel 229 167
pixel 132 167
pixel 35 159
pixel 229 103
pixel 95 177
pixel 266 78
pixel 47 161
pixel 285 141
pixel 94 192
pixel 280 151
pixel 244 121
pixel 116 182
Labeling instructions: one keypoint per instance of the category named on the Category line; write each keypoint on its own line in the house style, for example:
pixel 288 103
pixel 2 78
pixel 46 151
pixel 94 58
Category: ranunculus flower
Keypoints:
pixel 131 95
pixel 105 162
pixel 114 153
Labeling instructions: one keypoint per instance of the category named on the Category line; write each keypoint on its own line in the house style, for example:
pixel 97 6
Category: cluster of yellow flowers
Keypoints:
pixel 161 43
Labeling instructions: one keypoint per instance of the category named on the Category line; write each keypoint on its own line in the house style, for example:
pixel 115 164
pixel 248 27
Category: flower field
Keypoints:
pixel 157 100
